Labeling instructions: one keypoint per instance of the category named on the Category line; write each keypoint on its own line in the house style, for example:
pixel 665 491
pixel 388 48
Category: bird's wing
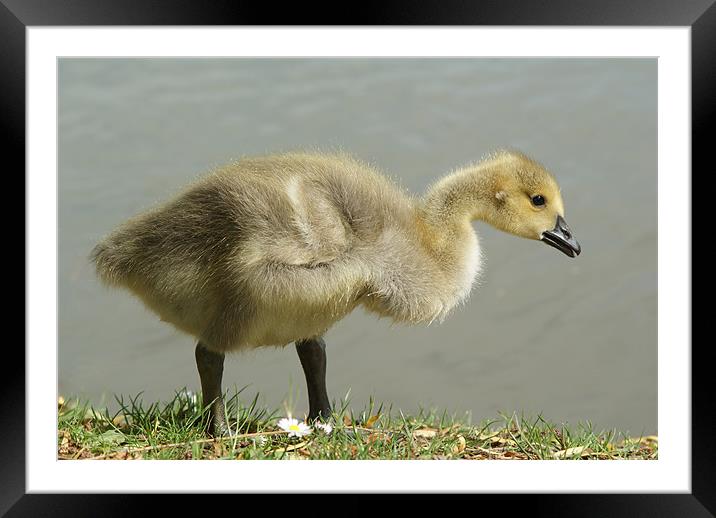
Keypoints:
pixel 307 229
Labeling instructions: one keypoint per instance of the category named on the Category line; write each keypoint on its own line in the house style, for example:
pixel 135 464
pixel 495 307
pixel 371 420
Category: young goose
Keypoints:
pixel 276 249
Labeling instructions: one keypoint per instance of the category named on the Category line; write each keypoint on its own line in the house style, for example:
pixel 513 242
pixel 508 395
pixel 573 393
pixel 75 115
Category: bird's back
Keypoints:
pixel 281 235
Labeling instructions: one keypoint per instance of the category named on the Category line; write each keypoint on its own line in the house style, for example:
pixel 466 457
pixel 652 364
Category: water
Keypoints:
pixel 574 339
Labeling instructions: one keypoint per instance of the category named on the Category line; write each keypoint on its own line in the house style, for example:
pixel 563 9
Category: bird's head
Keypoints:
pixel 527 202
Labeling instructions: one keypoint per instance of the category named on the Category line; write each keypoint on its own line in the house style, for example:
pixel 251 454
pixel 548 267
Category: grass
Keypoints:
pixel 176 430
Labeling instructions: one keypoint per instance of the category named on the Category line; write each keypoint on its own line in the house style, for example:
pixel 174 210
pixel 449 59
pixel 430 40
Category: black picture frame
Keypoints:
pixel 700 15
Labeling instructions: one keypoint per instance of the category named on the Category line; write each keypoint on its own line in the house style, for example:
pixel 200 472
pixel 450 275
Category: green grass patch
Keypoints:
pixel 176 430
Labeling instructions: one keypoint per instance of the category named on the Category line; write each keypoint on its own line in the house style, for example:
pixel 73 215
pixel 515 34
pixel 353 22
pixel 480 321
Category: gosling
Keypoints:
pixel 271 250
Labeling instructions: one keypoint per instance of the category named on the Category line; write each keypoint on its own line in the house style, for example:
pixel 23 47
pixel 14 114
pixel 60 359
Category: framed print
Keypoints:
pixel 121 109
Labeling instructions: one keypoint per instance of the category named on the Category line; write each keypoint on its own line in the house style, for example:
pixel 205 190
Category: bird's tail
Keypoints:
pixel 110 266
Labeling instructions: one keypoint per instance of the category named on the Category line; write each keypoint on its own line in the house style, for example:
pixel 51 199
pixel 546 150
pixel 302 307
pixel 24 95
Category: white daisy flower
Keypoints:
pixel 326 427
pixel 293 427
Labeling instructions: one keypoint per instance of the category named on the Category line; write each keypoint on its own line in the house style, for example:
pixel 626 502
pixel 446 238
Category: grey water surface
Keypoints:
pixel 573 339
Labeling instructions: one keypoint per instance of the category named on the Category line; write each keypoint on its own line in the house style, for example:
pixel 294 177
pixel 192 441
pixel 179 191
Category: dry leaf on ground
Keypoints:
pixel 459 447
pixel 371 421
pixel 292 447
pixel 649 439
pixel 425 433
pixel 578 451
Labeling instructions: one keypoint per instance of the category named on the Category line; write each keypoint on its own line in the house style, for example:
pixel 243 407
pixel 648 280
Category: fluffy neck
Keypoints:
pixel 465 195
pixel 444 217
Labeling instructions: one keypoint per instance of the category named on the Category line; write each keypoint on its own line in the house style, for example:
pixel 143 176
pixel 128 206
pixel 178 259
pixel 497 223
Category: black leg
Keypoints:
pixel 211 369
pixel 312 354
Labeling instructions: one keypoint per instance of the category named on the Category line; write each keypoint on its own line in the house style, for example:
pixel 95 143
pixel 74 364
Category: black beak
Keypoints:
pixel 562 239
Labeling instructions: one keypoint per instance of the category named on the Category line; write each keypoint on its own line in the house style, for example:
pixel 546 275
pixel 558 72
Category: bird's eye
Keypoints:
pixel 538 200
